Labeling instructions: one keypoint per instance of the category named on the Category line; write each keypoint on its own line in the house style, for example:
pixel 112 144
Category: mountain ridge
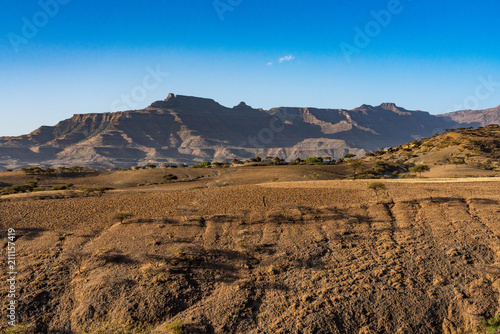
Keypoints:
pixel 187 129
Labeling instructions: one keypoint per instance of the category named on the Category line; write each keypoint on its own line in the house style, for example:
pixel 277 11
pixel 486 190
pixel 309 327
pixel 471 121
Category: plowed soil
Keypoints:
pixel 276 257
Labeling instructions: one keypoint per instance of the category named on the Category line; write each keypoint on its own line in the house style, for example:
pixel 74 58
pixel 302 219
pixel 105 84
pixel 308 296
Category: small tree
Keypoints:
pixel 349 156
pixel 420 169
pixel 376 187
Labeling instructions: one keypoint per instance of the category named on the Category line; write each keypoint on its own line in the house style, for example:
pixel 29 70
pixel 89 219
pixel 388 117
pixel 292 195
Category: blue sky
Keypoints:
pixel 63 57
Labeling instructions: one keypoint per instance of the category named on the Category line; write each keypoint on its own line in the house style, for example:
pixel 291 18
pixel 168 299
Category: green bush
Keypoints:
pixel 314 160
pixel 19 329
pixel 204 164
pixel 29 186
pixel 169 178
pixel 492 325
pixel 62 186
pixel 99 191
pixel 176 327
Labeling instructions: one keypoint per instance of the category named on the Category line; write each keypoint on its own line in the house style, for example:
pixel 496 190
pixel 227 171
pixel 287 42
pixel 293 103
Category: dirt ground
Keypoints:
pixel 268 251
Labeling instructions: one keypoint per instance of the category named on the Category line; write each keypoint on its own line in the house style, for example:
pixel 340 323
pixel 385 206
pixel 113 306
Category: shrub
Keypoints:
pixel 492 325
pixel 204 164
pixel 62 186
pixel 407 176
pixel 176 327
pixel 314 176
pixel 99 191
pixel 19 329
pixel 314 160
pixel 169 178
pixel 121 216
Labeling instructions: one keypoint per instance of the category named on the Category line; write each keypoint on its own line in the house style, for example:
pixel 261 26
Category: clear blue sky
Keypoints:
pixel 85 56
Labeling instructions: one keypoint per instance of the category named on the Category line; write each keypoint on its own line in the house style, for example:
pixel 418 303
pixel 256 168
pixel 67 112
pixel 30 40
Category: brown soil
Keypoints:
pixel 254 251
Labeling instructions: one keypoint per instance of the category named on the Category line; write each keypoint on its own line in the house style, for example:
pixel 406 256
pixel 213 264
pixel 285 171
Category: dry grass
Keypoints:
pixel 286 256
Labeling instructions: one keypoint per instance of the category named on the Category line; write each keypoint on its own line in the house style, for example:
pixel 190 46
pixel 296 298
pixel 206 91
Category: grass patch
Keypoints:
pixel 492 325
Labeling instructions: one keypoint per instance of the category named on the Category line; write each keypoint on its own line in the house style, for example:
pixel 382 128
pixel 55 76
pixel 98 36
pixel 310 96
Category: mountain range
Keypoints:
pixel 185 129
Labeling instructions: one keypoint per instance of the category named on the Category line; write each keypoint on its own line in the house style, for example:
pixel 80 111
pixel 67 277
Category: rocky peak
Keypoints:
pixel 242 105
pixel 171 96
pixel 179 101
pixel 389 106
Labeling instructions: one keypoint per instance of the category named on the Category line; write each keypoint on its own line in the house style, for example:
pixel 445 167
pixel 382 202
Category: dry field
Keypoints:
pixel 261 250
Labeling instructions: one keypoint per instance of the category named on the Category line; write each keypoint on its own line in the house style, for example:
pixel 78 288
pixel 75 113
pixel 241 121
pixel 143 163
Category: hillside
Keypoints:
pixel 480 117
pixel 462 152
pixel 269 249
pixel 184 129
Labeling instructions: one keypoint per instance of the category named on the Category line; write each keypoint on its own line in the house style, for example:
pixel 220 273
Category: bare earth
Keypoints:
pixel 262 250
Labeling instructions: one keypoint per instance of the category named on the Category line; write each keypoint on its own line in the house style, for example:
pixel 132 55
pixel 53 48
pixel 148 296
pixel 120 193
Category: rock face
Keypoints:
pixel 481 117
pixel 185 129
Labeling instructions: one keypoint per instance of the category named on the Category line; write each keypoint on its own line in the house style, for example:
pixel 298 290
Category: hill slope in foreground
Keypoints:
pixel 184 129
pixel 257 250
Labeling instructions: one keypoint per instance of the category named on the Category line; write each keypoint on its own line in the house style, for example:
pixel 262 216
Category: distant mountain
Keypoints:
pixel 184 129
pixel 481 117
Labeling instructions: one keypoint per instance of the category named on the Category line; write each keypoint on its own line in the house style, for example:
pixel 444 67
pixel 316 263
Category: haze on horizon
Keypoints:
pixel 62 57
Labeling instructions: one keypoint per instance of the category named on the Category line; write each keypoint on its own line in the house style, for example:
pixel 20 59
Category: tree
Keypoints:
pixel 420 169
pixel 376 187
pixel 349 156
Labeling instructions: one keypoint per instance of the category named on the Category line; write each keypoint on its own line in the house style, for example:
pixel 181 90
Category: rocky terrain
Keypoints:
pixel 184 129
pixel 265 249
pixel 480 117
